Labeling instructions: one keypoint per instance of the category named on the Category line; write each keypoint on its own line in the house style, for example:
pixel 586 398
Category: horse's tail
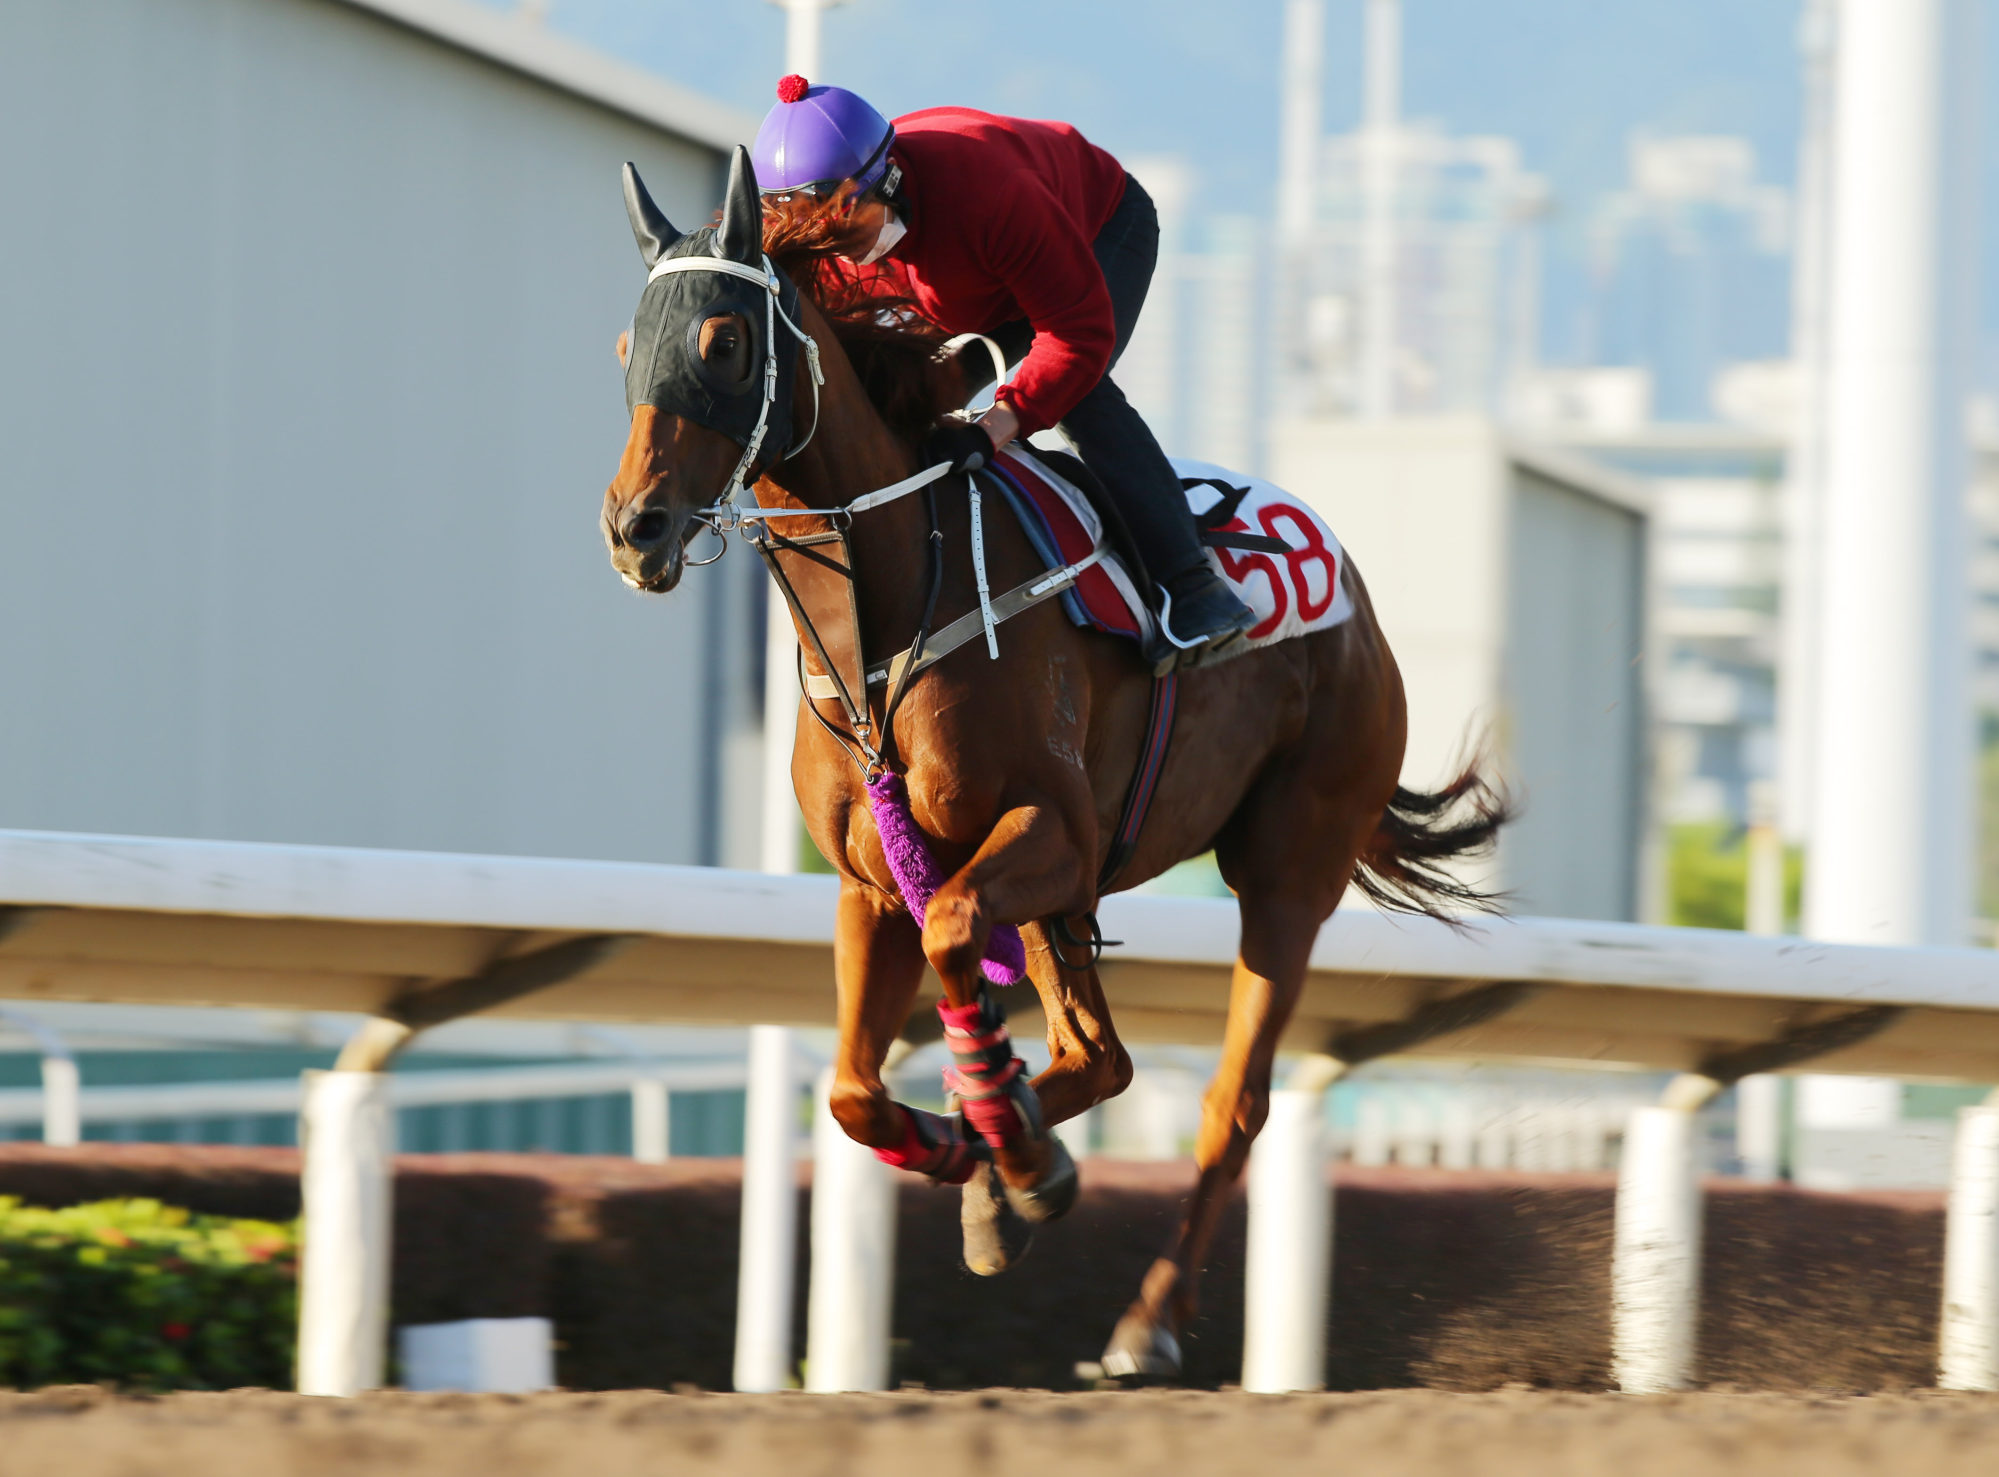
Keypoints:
pixel 1401 870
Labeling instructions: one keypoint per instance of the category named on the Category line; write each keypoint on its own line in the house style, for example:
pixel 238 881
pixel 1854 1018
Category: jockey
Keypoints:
pixel 1028 233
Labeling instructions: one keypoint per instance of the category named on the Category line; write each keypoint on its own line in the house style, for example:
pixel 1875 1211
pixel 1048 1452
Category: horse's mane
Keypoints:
pixel 893 348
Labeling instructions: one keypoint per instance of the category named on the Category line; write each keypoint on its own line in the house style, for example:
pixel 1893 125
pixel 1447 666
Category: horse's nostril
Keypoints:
pixel 648 529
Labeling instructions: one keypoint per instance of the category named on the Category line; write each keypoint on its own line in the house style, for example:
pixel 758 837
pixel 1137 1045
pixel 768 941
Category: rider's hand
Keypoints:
pixel 963 444
pixel 1001 424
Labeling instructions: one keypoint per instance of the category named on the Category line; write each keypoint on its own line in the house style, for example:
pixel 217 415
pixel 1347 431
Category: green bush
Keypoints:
pixel 1707 876
pixel 142 1295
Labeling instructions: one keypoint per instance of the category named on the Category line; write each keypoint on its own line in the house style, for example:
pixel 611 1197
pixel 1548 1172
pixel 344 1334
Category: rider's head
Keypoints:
pixel 826 149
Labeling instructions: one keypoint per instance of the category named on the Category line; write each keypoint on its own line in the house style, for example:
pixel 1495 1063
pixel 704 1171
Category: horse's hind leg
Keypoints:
pixel 1288 854
pixel 1277 937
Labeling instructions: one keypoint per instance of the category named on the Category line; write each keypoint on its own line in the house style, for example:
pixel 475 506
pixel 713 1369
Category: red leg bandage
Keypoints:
pixel 933 1146
pixel 985 1074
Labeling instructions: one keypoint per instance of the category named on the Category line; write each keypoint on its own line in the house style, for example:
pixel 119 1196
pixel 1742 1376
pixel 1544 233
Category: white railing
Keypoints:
pixel 650 1085
pixel 222 923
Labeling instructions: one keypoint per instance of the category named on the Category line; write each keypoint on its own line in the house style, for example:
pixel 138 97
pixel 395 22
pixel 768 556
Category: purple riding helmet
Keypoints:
pixel 818 136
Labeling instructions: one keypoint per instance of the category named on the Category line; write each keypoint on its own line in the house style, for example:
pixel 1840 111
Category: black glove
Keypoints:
pixel 965 445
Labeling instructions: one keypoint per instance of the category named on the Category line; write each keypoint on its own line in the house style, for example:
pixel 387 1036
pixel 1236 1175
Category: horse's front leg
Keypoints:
pixel 878 968
pixel 1029 867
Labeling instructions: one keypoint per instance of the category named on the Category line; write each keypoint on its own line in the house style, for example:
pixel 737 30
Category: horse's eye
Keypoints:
pixel 725 349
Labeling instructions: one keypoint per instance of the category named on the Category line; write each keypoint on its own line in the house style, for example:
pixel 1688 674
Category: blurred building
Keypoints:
pixel 1689 270
pixel 308 404
pixel 1194 367
pixel 1461 261
pixel 1511 583
pixel 1718 562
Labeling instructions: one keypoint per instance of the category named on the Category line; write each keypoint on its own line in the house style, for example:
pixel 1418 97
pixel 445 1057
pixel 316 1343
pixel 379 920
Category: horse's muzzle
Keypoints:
pixel 647 549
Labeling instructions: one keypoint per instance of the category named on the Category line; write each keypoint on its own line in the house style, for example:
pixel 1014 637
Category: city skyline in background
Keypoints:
pixel 1642 122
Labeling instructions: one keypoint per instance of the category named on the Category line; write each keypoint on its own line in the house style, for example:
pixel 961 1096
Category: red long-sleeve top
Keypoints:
pixel 1002 212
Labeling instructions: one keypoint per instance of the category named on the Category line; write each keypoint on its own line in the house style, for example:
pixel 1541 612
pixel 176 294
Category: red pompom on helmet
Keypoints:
pixel 790 89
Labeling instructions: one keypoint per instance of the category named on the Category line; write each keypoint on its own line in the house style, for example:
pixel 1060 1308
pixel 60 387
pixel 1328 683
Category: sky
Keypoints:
pixel 1571 80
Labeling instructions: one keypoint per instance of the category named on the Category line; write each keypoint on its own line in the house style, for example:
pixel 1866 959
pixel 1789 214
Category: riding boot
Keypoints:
pixel 1199 613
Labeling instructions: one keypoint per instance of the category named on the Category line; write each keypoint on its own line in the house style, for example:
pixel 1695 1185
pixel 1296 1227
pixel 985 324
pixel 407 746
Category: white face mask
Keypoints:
pixel 885 240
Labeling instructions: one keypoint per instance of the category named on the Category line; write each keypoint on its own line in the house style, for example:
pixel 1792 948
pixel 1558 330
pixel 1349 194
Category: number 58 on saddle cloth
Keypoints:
pixel 1290 592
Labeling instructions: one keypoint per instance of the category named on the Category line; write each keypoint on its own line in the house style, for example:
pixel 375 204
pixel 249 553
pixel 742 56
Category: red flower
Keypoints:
pixel 174 1331
pixel 790 89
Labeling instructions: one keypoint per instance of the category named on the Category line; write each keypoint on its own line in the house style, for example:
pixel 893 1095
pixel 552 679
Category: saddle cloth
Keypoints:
pixel 1290 593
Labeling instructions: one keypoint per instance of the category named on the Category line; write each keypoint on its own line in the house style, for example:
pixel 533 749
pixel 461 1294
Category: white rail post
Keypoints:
pixel 1759 1126
pixel 652 1121
pixel 1892 783
pixel 1290 1254
pixel 770 1214
pixel 1656 1261
pixel 62 1101
pixel 1969 1352
pixel 852 1293
pixel 1079 1134
pixel 347 1130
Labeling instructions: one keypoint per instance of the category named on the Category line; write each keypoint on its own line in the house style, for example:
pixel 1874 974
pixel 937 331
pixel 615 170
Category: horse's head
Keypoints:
pixel 709 392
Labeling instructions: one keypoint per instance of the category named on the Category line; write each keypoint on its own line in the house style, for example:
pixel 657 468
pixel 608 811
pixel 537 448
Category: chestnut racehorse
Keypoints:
pixel 1284 760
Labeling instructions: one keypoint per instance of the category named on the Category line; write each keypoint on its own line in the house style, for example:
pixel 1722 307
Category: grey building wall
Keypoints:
pixel 307 402
pixel 1573 701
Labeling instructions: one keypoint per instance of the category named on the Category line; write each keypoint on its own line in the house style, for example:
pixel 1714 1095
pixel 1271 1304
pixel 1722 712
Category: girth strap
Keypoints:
pixel 1144 778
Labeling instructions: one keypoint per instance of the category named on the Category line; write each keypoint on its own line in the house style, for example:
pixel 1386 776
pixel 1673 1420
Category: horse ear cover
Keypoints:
pixel 650 227
pixel 740 236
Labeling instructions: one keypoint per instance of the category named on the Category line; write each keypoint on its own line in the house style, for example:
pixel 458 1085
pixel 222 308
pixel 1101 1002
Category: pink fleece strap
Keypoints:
pixel 918 875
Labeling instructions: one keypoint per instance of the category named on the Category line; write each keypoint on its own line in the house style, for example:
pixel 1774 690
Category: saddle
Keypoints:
pixel 1277 553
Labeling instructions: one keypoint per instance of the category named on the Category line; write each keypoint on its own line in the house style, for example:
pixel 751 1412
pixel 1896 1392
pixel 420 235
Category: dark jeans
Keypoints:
pixel 1112 437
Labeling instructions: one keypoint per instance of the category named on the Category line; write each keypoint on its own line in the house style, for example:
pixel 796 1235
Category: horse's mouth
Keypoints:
pixel 654 574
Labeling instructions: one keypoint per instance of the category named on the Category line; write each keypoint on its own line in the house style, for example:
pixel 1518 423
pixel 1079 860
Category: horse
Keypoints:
pixel 1013 757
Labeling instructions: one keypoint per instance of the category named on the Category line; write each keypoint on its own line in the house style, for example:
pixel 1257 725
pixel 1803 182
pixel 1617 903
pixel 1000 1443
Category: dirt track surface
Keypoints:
pixel 1509 1433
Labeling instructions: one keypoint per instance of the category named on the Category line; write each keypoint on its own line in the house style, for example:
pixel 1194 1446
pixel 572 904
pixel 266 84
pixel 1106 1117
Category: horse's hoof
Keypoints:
pixel 1050 1197
pixel 995 1235
pixel 1141 1350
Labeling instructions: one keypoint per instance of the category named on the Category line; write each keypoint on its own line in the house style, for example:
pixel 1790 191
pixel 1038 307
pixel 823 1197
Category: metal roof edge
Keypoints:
pixel 1580 471
pixel 523 46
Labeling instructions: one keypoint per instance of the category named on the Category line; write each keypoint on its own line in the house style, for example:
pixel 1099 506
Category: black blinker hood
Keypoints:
pixel 665 369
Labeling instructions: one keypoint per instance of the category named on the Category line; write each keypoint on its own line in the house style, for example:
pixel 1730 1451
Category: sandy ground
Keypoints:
pixel 1511 1433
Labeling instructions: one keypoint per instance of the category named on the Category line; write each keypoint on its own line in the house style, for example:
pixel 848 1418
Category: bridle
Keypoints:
pixel 724 516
